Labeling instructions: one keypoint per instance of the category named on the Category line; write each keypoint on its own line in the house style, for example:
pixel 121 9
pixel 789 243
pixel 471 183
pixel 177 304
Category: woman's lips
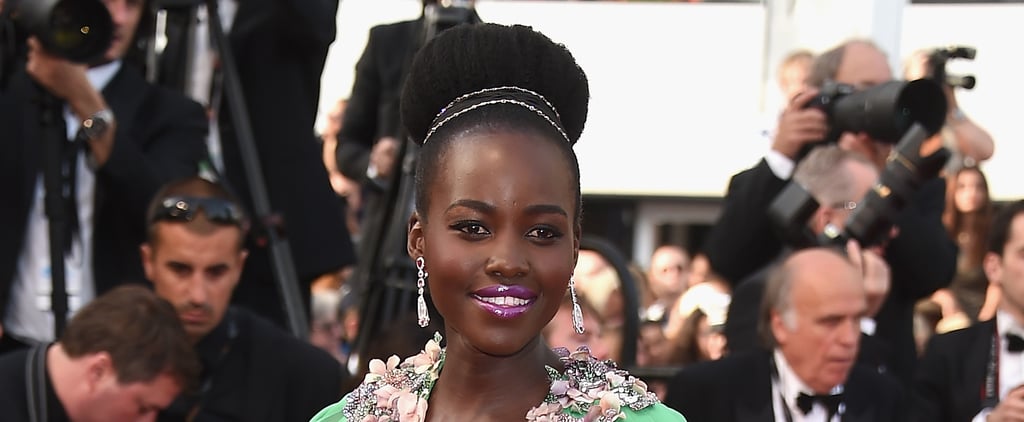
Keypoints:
pixel 505 301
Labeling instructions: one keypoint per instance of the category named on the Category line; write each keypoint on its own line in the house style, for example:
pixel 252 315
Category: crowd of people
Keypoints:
pixel 172 306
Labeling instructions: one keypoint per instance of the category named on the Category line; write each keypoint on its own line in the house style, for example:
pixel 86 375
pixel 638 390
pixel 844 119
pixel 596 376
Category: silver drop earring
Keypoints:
pixel 421 304
pixel 577 312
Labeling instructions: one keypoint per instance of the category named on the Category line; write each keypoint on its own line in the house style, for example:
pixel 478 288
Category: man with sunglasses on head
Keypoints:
pixel 124 138
pixel 252 369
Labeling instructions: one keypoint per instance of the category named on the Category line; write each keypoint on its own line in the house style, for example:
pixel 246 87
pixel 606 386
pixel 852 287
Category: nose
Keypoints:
pixel 196 289
pixel 507 259
pixel 850 333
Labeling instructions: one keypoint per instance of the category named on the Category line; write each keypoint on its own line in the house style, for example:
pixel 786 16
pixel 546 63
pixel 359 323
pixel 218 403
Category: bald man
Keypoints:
pixel 811 315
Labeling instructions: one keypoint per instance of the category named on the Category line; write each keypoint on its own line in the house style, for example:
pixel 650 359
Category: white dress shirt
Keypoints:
pixel 29 316
pixel 789 386
pixel 200 81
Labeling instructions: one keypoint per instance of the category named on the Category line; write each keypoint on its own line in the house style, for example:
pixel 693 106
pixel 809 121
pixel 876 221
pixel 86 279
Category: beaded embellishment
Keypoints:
pixel 595 390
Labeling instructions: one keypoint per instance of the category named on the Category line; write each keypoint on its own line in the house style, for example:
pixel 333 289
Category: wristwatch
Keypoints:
pixel 97 124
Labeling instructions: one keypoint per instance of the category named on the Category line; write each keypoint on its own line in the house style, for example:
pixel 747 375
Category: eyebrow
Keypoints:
pixel 488 208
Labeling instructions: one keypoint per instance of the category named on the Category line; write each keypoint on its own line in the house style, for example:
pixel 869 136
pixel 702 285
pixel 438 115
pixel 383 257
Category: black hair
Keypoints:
pixel 1001 226
pixel 468 58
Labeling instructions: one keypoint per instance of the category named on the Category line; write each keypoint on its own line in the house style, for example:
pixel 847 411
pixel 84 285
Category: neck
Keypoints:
pixel 479 384
pixel 65 377
pixel 1014 312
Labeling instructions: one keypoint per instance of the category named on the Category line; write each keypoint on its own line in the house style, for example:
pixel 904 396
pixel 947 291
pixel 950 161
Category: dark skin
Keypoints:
pixel 501 212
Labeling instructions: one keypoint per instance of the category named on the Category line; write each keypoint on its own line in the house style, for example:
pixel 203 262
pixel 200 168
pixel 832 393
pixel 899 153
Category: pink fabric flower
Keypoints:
pixel 411 408
pixel 546 412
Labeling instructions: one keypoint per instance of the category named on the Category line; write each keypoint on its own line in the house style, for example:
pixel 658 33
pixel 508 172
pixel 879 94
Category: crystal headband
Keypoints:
pixel 522 97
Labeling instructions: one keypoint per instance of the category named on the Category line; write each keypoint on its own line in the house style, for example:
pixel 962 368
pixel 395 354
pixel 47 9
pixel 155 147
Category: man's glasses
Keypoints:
pixel 185 208
pixel 845 205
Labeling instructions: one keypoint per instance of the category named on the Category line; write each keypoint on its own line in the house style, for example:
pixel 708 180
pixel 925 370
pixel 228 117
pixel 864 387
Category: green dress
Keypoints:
pixel 398 392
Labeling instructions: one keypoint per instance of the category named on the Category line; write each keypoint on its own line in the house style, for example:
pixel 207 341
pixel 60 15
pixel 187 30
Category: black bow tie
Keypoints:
pixel 831 402
pixel 1014 343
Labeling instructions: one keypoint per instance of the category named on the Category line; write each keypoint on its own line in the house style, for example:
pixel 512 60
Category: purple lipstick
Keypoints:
pixel 505 301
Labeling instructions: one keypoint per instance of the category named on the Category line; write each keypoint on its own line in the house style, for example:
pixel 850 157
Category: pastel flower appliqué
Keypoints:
pixel 586 390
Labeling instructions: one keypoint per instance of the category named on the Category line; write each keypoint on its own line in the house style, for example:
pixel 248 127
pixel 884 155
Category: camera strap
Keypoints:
pixel 35 383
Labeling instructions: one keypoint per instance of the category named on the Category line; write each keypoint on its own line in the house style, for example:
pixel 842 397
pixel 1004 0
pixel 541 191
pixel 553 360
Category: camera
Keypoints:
pixel 937 66
pixel 444 14
pixel 872 220
pixel 885 112
pixel 77 30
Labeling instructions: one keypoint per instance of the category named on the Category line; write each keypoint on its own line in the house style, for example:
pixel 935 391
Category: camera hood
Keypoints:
pixel 77 30
pixel 887 111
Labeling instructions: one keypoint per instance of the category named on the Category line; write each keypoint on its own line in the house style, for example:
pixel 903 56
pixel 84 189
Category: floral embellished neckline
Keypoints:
pixel 586 389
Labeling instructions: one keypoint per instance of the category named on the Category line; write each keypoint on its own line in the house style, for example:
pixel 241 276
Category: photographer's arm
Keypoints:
pixel 972 140
pixel 360 124
pixel 309 21
pixel 67 81
pixel 743 239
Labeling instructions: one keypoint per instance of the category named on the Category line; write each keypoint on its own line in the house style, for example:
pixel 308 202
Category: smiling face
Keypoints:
pixel 499 237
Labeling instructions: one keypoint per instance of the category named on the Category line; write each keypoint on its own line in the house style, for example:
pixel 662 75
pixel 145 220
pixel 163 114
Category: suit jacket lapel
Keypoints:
pixel 976 356
pixel 754 398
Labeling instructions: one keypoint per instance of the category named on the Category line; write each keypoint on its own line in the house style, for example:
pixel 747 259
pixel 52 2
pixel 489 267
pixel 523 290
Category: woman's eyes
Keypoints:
pixel 470 228
pixel 476 229
pixel 544 233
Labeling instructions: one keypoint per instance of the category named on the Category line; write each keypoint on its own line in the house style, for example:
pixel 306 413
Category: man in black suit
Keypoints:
pixel 922 256
pixel 279 47
pixel 252 369
pixel 811 313
pixel 977 373
pixel 126 138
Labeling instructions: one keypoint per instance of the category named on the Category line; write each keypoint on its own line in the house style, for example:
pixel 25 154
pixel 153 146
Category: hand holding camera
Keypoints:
pixel 800 125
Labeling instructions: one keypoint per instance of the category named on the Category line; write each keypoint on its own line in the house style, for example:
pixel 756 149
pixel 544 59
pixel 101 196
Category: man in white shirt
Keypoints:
pixel 125 139
pixel 811 311
pixel 977 373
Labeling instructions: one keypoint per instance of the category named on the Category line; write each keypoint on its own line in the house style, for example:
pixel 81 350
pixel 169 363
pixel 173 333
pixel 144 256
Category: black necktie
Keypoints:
pixel 1014 343
pixel 831 402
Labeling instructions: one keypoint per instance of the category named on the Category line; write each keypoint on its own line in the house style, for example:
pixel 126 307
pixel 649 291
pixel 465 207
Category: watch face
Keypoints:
pixel 95 125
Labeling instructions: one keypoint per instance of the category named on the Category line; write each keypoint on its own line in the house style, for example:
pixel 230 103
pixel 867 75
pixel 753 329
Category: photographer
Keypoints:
pixel 921 255
pixel 125 136
pixel 970 143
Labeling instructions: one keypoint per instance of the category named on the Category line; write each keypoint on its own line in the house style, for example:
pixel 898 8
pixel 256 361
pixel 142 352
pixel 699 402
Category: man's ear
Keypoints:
pixel 414 245
pixel 993 268
pixel 822 216
pixel 778 328
pixel 146 253
pixel 99 367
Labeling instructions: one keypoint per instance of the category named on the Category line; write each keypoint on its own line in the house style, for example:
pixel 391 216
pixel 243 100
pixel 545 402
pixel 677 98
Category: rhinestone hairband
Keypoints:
pixel 514 97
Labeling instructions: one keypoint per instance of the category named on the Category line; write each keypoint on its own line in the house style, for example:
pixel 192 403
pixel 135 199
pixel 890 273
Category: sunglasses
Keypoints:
pixel 185 208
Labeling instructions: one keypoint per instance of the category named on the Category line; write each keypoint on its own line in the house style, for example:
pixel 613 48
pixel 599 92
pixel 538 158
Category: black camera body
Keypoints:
pixel 885 112
pixel 937 66
pixel 77 30
pixel 872 220
pixel 443 15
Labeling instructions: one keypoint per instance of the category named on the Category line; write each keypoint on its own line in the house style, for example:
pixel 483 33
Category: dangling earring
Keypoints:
pixel 421 304
pixel 577 312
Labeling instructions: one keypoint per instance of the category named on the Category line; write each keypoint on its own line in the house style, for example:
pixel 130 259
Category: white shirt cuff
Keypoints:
pixel 868 326
pixel 781 165
pixel 982 415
